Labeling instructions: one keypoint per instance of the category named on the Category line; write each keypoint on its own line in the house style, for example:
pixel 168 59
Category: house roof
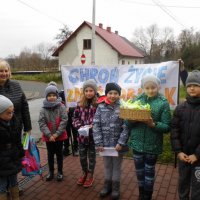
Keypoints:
pixel 119 43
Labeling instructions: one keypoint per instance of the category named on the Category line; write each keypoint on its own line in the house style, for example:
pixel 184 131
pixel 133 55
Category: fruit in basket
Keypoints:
pixel 136 105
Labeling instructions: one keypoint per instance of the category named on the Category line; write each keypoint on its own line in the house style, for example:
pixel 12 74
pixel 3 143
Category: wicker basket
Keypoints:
pixel 131 114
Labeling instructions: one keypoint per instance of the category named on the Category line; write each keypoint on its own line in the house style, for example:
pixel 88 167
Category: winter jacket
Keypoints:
pixel 147 139
pixel 185 133
pixel 53 121
pixel 84 116
pixel 108 129
pixel 13 91
pixel 11 150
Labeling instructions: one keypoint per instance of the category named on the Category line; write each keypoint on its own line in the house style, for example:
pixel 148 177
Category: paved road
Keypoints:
pixel 35 90
pixel 35 106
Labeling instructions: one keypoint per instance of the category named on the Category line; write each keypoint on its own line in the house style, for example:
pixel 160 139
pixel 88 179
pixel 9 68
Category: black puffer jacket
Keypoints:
pixel 11 150
pixel 185 133
pixel 13 91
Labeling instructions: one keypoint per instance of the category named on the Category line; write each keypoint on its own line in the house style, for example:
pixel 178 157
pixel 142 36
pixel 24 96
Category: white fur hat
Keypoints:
pixel 150 78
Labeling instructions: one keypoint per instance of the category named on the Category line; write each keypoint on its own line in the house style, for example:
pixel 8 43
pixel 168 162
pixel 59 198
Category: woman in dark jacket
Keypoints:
pixel 11 150
pixel 12 90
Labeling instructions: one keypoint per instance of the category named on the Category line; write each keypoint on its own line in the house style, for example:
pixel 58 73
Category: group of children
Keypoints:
pixel 106 129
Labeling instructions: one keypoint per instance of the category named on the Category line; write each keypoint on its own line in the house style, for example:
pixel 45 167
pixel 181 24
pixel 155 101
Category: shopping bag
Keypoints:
pixel 84 131
pixel 31 161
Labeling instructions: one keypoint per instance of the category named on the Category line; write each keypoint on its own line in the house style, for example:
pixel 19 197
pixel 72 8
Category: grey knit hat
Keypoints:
pixel 90 83
pixel 5 103
pixel 193 78
pixel 150 78
pixel 52 83
pixel 51 89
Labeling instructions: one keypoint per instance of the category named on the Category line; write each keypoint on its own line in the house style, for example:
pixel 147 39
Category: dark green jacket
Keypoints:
pixel 144 138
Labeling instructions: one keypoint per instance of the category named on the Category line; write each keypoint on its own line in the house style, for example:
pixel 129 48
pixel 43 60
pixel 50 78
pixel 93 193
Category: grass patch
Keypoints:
pixel 182 92
pixel 44 77
pixel 167 156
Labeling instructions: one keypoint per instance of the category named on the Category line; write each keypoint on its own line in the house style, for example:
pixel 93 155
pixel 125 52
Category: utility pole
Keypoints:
pixel 93 34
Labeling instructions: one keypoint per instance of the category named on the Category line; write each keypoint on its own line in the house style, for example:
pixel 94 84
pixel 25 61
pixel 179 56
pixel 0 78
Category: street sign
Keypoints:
pixel 83 59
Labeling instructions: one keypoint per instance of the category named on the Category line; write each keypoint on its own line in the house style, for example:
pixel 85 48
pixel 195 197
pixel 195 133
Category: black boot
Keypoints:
pixel 66 152
pixel 148 195
pixel 141 193
pixel 50 176
pixel 115 190
pixel 107 188
pixel 59 176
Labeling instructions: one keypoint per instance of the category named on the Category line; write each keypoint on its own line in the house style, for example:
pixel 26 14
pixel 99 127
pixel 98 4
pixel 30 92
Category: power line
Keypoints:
pixel 172 6
pixel 168 13
pixel 39 11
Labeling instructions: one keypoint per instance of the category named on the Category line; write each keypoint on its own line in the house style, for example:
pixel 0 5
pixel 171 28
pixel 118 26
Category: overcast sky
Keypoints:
pixel 26 23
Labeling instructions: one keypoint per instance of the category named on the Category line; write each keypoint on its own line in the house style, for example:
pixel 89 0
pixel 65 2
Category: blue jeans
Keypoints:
pixel 7 182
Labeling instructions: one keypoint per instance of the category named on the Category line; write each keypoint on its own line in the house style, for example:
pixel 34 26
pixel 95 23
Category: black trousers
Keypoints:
pixel 72 132
pixel 55 148
pixel 189 181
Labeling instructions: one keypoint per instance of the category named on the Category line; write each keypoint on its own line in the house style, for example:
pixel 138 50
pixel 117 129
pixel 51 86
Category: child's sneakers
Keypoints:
pixel 59 177
pixel 50 176
pixel 82 179
pixel 88 182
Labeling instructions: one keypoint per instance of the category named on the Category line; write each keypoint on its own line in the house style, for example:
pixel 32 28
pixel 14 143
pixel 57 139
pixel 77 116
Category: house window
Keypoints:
pixel 135 61
pixel 123 62
pixel 87 44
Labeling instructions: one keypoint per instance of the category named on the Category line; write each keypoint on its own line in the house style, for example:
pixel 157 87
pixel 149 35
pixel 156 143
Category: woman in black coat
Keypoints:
pixel 13 91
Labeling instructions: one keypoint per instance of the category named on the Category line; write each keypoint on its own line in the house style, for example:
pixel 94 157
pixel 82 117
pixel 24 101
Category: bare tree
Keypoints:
pixel 38 58
pixel 152 41
pixel 189 47
pixel 65 32
pixel 45 52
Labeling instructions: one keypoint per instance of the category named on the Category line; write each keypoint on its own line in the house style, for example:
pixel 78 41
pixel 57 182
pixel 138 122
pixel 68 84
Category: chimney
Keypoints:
pixel 116 32
pixel 100 25
pixel 109 29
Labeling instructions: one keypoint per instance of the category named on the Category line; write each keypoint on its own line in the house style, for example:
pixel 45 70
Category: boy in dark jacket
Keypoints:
pixel 11 150
pixel 185 139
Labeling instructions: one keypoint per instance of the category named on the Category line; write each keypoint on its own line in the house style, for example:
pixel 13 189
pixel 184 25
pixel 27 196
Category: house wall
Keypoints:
pixel 104 54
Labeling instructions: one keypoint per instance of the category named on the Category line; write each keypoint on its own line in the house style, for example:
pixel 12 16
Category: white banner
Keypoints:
pixel 127 76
